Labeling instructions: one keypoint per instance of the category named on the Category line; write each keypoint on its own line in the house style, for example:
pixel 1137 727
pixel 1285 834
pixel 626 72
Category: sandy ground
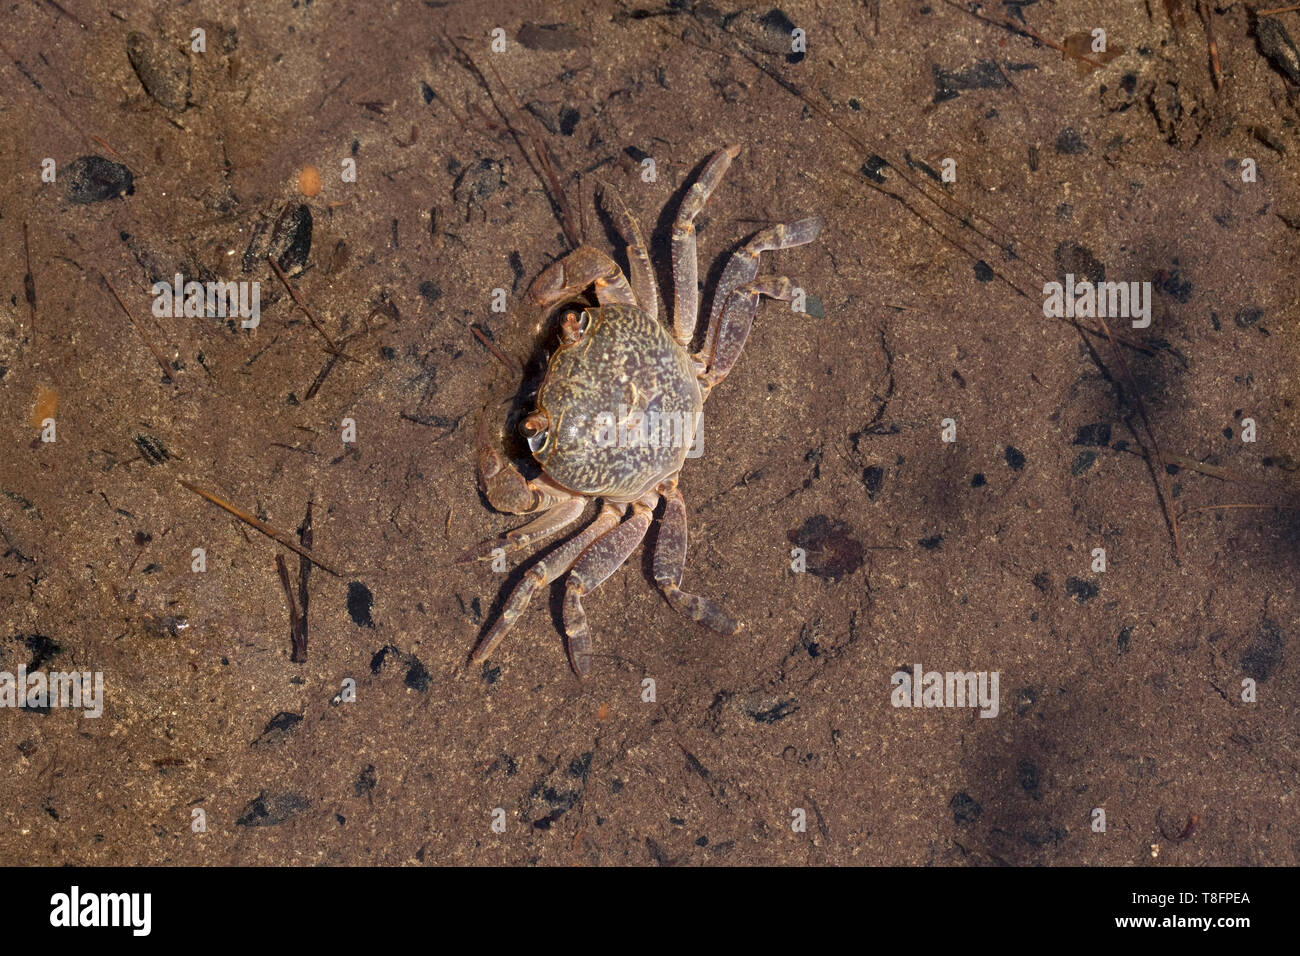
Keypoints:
pixel 1120 690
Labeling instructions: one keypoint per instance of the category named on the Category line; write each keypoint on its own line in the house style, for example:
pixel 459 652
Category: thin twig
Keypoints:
pixel 261 526
pixel 511 365
pixel 1008 24
pixel 539 160
pixel 293 293
pixel 304 572
pixel 1236 506
pixel 29 281
pixel 156 354
pixel 1216 74
pixel 295 621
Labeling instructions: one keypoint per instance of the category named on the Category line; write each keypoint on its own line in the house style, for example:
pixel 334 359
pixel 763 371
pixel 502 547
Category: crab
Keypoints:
pixel 616 371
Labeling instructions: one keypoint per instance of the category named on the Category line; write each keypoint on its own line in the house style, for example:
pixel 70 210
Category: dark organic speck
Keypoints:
pixel 965 810
pixel 1096 435
pixel 360 601
pixel 833 550
pixel 1082 591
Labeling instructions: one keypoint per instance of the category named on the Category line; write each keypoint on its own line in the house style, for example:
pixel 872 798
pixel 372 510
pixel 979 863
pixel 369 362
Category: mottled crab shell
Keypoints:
pixel 625 361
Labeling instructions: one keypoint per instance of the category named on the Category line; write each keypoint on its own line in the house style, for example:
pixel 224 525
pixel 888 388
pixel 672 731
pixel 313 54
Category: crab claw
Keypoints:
pixel 499 480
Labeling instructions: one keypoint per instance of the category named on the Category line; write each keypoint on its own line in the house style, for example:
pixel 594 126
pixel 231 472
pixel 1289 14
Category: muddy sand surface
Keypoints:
pixel 1161 690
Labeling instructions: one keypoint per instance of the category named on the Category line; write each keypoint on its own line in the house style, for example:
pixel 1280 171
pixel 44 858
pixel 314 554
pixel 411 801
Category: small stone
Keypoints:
pixel 1082 591
pixel 1275 43
pixel 1070 143
pixel 93 179
pixel 1248 316
pixel 291 238
pixel 1096 435
pixel 309 181
pixel 163 71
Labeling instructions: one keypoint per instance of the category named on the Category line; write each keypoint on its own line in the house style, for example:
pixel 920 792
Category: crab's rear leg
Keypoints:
pixel 733 309
pixel 737 320
pixel 542 573
pixel 585 266
pixel 670 562
pixel 686 269
pixel 605 556
pixel 639 268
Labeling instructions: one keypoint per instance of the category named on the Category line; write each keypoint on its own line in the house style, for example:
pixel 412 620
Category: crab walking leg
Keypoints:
pixel 670 562
pixel 584 266
pixel 737 320
pixel 544 525
pixel 743 266
pixel 597 563
pixel 642 273
pixel 686 269
pixel 546 570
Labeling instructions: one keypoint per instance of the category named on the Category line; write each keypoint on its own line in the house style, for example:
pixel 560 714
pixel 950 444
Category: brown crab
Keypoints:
pixel 598 430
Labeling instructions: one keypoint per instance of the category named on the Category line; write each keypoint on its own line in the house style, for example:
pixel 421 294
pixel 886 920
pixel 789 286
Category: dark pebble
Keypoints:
pixel 43 649
pixel 1124 638
pixel 291 238
pixel 1173 284
pixel 983 75
pixel 872 168
pixel 1275 43
pixel 478 181
pixel 1248 317
pixel 1028 775
pixel 417 675
pixel 93 179
pixel 983 271
pixel 1070 143
pixel 1078 260
pixel 365 781
pixel 550 37
pixel 163 70
pixel 267 811
pixel 874 478
pixel 1096 435
pixel 1015 458
pixel 1082 591
pixel 832 548
pixel 1265 654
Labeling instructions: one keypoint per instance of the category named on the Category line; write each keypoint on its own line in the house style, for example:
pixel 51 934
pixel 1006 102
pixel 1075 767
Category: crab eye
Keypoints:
pixel 536 428
pixel 573 325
